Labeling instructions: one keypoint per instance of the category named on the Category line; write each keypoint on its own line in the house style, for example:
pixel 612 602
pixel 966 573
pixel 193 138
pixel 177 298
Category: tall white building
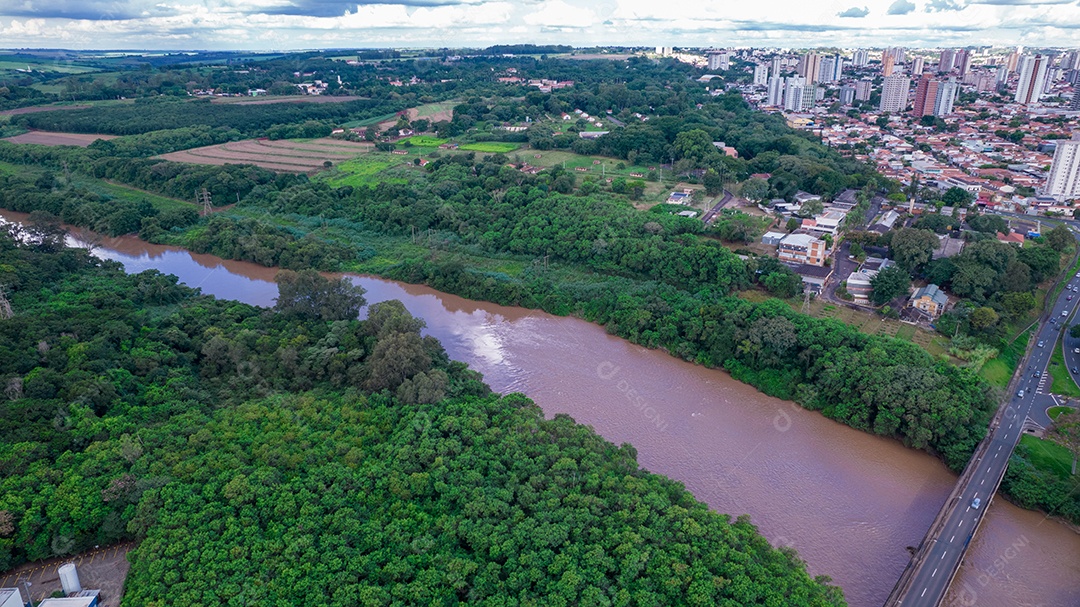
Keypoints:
pixel 793 93
pixel 860 58
pixel 1032 83
pixel 894 93
pixel 777 66
pixel 917 66
pixel 776 90
pixel 946 97
pixel 847 95
pixel 1063 182
pixel 719 60
pixel 761 75
pixel 863 89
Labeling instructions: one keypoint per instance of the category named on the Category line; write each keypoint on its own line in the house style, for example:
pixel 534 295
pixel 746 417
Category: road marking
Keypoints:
pixel 923 592
pixel 934 573
pixel 982 481
pixel 958 523
pixel 952 538
pixel 944 553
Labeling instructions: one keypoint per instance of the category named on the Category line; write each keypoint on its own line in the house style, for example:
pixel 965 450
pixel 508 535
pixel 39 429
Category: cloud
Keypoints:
pixel 93 10
pixel 1019 2
pixel 901 7
pixel 939 6
pixel 558 14
pixel 336 8
pixel 854 13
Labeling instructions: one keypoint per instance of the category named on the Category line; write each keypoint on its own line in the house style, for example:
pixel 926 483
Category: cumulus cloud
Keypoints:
pixel 94 10
pixel 901 7
pixel 938 6
pixel 854 13
pixel 556 13
pixel 336 8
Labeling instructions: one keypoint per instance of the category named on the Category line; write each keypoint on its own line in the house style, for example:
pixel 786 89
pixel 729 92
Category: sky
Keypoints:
pixel 308 24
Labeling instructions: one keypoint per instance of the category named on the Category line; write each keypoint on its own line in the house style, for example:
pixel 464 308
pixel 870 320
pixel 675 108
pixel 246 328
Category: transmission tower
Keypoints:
pixel 806 301
pixel 202 197
pixel 5 305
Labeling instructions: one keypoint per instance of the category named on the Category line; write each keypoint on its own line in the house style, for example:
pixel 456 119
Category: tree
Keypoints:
pixel 1060 238
pixel 714 184
pixel 1018 304
pixel 983 318
pixel 792 224
pixel 755 189
pixel 890 283
pixel 811 208
pixel 911 248
pixel 694 145
pixel 857 251
pixel 957 197
pixel 307 294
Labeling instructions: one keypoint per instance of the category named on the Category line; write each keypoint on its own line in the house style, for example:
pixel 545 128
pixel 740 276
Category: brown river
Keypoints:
pixel 849 503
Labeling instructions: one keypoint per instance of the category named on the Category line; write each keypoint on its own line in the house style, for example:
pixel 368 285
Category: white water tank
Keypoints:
pixel 69 578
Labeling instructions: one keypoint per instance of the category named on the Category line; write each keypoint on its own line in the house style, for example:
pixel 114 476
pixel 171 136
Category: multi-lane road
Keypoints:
pixel 942 552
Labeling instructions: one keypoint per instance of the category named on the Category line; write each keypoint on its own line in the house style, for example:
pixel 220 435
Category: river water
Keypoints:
pixel 849 503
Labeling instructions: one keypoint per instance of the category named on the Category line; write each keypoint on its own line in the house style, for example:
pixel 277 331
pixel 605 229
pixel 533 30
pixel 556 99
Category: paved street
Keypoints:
pixel 1028 403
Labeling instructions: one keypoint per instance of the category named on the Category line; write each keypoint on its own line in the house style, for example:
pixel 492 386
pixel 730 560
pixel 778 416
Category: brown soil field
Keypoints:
pixel 49 138
pixel 101 569
pixel 192 159
pixel 42 108
pixel 414 113
pixel 277 155
pixel 286 99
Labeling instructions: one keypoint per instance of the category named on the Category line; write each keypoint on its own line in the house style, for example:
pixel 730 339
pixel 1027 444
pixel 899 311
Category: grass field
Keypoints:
pixel 998 371
pixel 1061 381
pixel 871 323
pixel 363 171
pixel 490 147
pixel 60 66
pixel 425 141
pixel 1054 412
pixel 1048 456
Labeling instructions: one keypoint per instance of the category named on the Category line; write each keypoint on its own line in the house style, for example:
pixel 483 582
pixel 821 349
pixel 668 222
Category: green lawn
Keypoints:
pixel 1046 455
pixel 1062 382
pixel 999 371
pixel 59 66
pixel 425 141
pixel 1053 412
pixel 490 147
pixel 362 170
pixel 369 121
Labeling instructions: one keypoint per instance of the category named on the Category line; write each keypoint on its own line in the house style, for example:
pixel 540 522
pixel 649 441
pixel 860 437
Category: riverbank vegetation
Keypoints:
pixel 544 241
pixel 296 455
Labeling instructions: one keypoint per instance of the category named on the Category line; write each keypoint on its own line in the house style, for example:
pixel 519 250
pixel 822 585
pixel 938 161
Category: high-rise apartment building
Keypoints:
pixel 761 75
pixel 963 62
pixel 1063 182
pixel 776 90
pixel 810 67
pixel 926 92
pixel 946 60
pixel 860 58
pixel 894 93
pixel 917 66
pixel 793 93
pixel 887 63
pixel 1074 105
pixel 863 89
pixel 946 97
pixel 719 60
pixel 847 95
pixel 1012 60
pixel 1032 83
pixel 777 66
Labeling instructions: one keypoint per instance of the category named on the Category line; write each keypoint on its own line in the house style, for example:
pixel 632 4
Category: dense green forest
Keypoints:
pixel 650 278
pixel 283 456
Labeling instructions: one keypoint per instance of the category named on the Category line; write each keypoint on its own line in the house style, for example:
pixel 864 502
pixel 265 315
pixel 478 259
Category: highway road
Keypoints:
pixel 1028 403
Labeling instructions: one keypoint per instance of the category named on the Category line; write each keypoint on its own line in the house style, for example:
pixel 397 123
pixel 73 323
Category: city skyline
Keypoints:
pixel 307 24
